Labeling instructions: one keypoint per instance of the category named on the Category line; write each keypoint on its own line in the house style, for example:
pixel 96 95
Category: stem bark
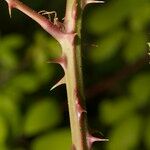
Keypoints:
pixel 73 75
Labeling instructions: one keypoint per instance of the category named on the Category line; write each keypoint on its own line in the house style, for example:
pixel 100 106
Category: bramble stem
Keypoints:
pixel 68 34
pixel 73 74
pixel 41 20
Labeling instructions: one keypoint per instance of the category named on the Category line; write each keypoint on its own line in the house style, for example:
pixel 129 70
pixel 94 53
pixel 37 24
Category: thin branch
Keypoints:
pixel 41 20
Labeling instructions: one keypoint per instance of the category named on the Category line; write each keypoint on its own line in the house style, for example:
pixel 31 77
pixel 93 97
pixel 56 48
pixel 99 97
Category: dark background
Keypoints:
pixel 116 76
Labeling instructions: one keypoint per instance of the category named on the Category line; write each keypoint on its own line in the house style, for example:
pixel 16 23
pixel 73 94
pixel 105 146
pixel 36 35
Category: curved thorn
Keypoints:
pixel 86 2
pixel 62 61
pixel 80 109
pixel 60 82
pixel 94 1
pixel 91 139
pixel 9 9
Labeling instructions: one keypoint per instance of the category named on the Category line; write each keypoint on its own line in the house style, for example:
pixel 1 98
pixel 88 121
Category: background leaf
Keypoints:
pixel 108 46
pixel 40 116
pixel 127 135
pixel 113 112
pixel 60 139
pixel 140 89
pixel 147 135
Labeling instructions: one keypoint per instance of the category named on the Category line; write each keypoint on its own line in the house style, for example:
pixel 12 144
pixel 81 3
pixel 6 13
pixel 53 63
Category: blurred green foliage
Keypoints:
pixel 33 118
pixel 60 139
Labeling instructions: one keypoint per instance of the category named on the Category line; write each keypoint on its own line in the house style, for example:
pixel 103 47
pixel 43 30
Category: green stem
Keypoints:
pixel 73 74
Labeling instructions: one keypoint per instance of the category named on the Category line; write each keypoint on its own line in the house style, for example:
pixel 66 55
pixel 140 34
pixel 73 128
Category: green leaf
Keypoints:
pixel 45 47
pixel 13 42
pixel 111 112
pixel 9 110
pixel 108 46
pixel 135 48
pixel 42 115
pixel 39 54
pixel 147 133
pixel 54 48
pixel 25 82
pixel 140 17
pixel 140 89
pixel 111 16
pixel 3 147
pixel 58 140
pixel 8 57
pixel 3 130
pixel 126 135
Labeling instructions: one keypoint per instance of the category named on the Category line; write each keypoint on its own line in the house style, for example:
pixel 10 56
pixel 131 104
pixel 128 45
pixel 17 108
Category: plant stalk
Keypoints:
pixel 73 75
pixel 70 41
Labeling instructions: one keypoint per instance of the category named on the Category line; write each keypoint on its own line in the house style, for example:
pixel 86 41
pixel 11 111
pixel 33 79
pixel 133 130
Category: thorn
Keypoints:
pixel 55 60
pixel 60 82
pixel 94 1
pixel 9 9
pixel 80 109
pixel 61 61
pixel 91 139
pixel 86 2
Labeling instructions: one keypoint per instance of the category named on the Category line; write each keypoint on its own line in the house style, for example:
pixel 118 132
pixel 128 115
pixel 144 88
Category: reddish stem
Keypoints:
pixel 41 20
